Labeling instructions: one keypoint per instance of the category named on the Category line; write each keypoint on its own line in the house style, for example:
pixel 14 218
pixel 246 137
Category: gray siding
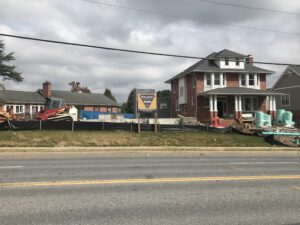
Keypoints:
pixel 294 98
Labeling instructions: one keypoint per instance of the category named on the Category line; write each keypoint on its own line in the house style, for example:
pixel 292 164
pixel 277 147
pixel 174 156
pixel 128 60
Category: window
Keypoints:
pixel 285 100
pixel 217 79
pixel 251 80
pixel 181 91
pixel 208 80
pixel 243 79
pixel 193 100
pixel 250 104
pixel 226 62
pixel 163 106
pixel 206 101
pixel 237 62
pixel 257 80
pixel 177 106
pixel 194 80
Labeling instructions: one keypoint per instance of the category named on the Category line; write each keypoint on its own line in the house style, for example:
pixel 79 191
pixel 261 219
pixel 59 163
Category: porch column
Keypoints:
pixel 211 106
pixel 236 107
pixel 14 109
pixel 271 104
pixel 215 106
pixel 239 106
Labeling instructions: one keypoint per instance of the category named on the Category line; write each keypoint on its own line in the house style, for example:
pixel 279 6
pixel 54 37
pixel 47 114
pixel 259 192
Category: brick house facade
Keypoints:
pixel 224 85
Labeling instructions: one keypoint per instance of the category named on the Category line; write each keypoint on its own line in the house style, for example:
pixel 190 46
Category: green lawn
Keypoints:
pixel 123 138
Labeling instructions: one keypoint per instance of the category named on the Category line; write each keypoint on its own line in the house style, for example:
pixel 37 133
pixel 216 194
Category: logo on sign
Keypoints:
pixel 147 100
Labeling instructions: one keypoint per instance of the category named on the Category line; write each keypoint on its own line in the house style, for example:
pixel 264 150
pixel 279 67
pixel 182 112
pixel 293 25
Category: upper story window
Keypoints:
pixel 181 91
pixel 251 80
pixel 237 62
pixel 177 106
pixel 285 100
pixel 217 79
pixel 226 62
pixel 208 79
pixel 243 79
pixel 194 80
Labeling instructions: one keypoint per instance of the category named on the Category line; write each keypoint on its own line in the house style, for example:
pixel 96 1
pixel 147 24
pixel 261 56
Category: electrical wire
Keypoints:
pixel 250 7
pixel 128 50
pixel 174 16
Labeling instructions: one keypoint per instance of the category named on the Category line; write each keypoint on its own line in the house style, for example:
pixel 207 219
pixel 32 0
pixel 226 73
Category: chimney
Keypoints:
pixel 47 89
pixel 249 59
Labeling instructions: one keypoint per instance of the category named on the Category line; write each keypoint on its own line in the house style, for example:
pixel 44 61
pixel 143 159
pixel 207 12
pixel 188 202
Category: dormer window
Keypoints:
pixel 237 62
pixel 226 62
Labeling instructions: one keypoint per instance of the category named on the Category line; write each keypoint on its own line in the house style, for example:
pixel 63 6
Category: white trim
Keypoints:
pixel 235 103
pixel 296 86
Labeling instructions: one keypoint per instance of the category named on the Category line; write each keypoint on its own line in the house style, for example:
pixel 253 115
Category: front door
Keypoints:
pixel 222 107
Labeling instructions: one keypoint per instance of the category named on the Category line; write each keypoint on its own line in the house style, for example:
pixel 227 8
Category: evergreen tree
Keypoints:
pixel 163 93
pixel 8 71
pixel 108 94
pixel 130 102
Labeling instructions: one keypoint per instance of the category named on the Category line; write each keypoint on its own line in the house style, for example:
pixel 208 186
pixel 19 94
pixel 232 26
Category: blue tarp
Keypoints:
pixel 90 115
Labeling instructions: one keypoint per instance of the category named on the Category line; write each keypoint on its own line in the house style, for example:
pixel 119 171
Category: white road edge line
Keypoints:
pixel 10 167
pixel 246 163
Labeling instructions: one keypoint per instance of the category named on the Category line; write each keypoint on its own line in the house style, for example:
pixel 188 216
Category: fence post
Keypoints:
pixel 139 123
pixel 72 125
pixel 206 127
pixel 40 125
pixel 103 126
pixel 131 127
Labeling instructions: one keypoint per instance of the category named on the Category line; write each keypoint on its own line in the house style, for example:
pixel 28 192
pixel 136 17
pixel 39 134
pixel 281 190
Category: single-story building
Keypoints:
pixel 25 104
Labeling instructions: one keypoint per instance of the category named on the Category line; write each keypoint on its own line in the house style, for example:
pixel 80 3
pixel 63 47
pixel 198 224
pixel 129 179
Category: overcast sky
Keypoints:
pixel 189 27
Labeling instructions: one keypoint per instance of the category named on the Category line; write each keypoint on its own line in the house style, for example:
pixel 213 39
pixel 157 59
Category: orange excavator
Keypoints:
pixel 57 110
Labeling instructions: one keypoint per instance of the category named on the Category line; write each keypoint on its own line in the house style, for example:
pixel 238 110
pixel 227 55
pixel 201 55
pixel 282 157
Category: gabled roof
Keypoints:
pixel 21 97
pixel 239 91
pixel 294 68
pixel 225 53
pixel 76 98
pixel 206 65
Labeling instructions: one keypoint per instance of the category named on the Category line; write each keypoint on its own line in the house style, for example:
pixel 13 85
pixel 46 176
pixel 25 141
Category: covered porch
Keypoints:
pixel 236 103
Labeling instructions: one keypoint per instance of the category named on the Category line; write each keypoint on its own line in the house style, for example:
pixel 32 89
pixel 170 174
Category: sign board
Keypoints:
pixel 147 102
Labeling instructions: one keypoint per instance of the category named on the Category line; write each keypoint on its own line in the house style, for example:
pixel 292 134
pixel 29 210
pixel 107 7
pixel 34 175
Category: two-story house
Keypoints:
pixel 225 85
pixel 289 84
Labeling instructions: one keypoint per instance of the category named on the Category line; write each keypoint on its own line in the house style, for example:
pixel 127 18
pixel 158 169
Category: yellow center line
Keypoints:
pixel 155 180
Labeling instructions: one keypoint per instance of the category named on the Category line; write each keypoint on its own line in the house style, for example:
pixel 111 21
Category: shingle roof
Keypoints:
pixel 238 91
pixel 209 66
pixel 225 53
pixel 296 69
pixel 75 98
pixel 21 97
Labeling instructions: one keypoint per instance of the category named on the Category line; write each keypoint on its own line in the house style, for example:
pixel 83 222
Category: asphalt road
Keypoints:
pixel 138 188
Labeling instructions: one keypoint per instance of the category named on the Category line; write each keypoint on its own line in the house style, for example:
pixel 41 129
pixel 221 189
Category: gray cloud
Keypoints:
pixel 195 30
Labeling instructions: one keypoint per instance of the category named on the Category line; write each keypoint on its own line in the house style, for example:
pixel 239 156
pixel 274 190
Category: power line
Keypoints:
pixel 250 7
pixel 174 16
pixel 128 50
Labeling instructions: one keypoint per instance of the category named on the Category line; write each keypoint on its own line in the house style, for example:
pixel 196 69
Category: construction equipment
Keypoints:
pixel 4 116
pixel 57 110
